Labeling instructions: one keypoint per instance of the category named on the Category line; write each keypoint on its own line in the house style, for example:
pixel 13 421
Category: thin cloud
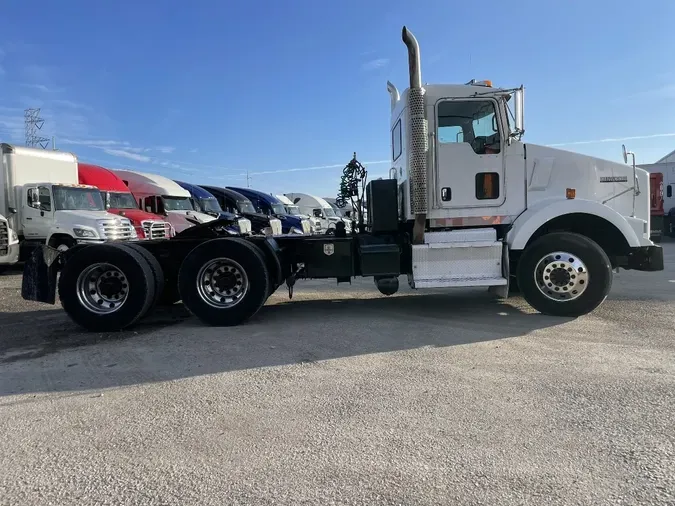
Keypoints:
pixel 665 91
pixel 375 64
pixel 71 104
pixel 94 143
pixel 322 167
pixel 166 149
pixel 613 139
pixel 43 88
pixel 126 154
pixel 2 71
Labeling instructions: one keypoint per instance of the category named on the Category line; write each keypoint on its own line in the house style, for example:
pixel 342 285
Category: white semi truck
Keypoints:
pixel 43 203
pixel 467 204
pixel 293 209
pixel 319 209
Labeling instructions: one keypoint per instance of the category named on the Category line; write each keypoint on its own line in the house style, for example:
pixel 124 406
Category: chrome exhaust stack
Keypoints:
pixel 393 94
pixel 418 140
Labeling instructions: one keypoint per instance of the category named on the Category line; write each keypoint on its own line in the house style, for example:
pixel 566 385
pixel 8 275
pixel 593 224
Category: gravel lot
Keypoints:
pixel 345 397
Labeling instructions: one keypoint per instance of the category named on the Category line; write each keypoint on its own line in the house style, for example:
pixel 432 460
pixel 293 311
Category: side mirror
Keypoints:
pixel 625 153
pixel 13 210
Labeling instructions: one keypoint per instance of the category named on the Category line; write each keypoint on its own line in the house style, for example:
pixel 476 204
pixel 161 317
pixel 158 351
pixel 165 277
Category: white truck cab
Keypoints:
pixel 9 244
pixel 43 202
pixel 294 210
pixel 318 208
pixel 478 198
pixel 160 195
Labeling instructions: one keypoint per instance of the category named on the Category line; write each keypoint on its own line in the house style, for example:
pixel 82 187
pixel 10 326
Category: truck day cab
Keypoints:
pixel 271 206
pixel 319 209
pixel 235 202
pixel 292 209
pixel 206 203
pixel 44 203
pixel 467 204
pixel 159 195
pixel 120 201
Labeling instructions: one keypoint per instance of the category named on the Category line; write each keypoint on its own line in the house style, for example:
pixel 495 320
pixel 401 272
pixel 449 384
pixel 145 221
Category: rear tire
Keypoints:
pixel 106 287
pixel 564 274
pixel 224 282
pixel 155 267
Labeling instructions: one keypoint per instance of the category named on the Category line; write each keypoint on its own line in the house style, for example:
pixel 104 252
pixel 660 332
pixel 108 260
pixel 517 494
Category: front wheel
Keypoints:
pixel 564 274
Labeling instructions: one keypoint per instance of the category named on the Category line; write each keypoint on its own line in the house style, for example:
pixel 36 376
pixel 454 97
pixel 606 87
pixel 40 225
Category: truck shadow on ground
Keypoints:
pixel 43 351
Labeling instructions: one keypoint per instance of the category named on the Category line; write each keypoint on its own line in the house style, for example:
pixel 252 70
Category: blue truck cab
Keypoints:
pixel 205 202
pixel 272 206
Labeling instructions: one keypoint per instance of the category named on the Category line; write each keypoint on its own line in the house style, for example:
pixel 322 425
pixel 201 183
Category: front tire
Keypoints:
pixel 224 282
pixel 564 274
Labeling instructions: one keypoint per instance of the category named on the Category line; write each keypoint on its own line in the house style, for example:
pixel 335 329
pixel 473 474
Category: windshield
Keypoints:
pixel 120 201
pixel 245 206
pixel 294 210
pixel 209 205
pixel 77 199
pixel 328 211
pixel 278 209
pixel 177 204
pixel 338 211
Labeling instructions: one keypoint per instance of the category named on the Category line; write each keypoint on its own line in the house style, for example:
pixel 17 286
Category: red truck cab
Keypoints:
pixel 119 200
pixel 656 206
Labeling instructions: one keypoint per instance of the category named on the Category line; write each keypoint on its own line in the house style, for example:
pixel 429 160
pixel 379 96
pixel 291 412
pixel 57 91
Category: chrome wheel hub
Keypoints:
pixel 222 283
pixel 561 276
pixel 102 288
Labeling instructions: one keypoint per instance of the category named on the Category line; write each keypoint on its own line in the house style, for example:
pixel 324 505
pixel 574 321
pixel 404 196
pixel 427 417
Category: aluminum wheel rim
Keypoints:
pixel 561 276
pixel 222 283
pixel 102 288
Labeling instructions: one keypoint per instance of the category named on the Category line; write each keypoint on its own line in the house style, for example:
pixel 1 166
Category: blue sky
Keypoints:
pixel 207 90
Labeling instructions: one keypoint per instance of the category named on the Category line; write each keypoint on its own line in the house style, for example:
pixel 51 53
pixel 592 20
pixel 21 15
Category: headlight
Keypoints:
pixel 85 232
pixel 13 238
pixel 134 234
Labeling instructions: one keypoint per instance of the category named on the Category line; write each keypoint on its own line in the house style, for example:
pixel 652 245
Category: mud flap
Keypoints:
pixel 39 275
pixel 503 290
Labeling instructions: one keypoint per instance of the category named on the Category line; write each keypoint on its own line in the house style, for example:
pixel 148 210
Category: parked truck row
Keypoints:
pixel 467 204
pixel 50 198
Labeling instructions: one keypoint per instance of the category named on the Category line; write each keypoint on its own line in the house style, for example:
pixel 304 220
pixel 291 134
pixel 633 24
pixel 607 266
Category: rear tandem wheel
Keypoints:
pixel 224 282
pixel 106 287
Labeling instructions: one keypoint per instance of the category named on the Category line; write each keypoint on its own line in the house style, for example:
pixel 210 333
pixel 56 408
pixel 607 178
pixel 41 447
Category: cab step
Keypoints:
pixel 456 258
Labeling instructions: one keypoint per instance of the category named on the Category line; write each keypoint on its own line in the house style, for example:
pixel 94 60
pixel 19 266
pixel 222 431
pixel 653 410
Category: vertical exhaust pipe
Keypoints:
pixel 418 140
pixel 393 94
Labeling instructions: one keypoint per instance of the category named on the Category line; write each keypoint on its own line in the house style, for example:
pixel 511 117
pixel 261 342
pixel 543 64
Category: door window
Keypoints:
pixel 473 122
pixel 45 199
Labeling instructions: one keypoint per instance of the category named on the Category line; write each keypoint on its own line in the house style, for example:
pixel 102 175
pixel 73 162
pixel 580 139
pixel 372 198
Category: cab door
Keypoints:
pixel 38 212
pixel 469 148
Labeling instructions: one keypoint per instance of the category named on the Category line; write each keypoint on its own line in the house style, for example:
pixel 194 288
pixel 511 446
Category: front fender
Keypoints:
pixel 534 217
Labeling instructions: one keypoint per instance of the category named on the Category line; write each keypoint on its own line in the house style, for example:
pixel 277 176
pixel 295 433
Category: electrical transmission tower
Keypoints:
pixel 33 123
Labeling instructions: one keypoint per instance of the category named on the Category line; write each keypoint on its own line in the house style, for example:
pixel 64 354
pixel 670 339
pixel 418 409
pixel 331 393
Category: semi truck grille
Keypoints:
pixel 4 238
pixel 114 230
pixel 244 225
pixel 275 224
pixel 155 229
pixel 306 227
